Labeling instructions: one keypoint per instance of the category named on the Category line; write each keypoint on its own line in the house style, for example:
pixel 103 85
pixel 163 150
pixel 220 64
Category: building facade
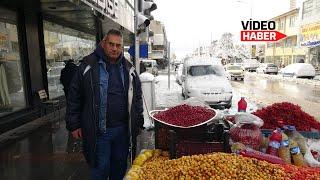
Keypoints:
pixel 37 36
pixel 286 51
pixel 309 31
pixel 158 43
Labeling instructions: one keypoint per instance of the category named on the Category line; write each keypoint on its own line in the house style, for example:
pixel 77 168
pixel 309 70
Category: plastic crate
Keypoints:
pixel 180 146
pixel 186 148
pixel 193 134
pixel 306 134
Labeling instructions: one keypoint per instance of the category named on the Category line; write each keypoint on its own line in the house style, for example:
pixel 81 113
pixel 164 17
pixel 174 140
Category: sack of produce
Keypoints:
pixel 247 131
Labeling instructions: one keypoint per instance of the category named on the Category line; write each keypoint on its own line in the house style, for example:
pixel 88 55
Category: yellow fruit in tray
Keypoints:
pixel 139 161
pixel 132 175
pixel 165 153
pixel 157 152
pixel 135 168
pixel 148 153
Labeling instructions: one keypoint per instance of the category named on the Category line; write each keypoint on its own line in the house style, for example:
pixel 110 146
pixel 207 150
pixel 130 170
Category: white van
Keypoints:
pixel 206 80
pixel 151 66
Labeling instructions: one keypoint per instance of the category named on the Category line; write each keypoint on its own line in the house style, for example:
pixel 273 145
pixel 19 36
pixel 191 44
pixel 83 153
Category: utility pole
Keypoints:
pixel 168 55
pixel 136 36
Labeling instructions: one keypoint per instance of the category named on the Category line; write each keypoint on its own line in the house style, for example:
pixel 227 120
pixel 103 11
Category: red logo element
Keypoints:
pixel 249 35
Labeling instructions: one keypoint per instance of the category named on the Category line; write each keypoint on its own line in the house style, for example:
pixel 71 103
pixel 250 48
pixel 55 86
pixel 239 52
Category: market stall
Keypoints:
pixel 194 141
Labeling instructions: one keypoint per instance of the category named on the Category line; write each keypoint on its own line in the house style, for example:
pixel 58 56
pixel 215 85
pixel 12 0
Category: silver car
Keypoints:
pixel 267 68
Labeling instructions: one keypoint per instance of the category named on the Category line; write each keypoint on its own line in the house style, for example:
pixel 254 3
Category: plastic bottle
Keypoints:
pixel 284 151
pixel 295 153
pixel 296 136
pixel 274 142
pixel 242 105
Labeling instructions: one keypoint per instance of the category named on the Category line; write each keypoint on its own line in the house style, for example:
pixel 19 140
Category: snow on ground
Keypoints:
pixel 166 97
pixel 286 79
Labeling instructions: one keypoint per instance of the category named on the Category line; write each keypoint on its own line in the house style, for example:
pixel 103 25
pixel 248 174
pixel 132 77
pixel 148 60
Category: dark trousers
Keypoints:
pixel 111 152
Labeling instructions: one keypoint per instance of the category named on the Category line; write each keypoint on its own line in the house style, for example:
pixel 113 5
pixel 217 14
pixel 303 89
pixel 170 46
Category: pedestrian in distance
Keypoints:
pixel 66 75
pixel 105 108
pixel 142 68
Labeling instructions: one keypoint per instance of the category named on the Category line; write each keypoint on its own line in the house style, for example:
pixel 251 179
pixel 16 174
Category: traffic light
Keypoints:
pixel 144 16
pixel 143 22
pixel 147 7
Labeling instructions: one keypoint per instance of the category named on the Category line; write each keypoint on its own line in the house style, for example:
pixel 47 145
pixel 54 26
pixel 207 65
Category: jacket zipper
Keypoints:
pixel 94 112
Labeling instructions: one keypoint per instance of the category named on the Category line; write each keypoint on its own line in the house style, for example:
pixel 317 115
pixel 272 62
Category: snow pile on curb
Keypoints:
pixel 146 77
pixel 167 97
pixel 287 79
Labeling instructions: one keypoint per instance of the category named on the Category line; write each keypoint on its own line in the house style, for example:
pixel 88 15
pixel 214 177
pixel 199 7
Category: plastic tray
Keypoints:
pixel 153 112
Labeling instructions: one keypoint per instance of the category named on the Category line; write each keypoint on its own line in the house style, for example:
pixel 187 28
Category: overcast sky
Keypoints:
pixel 191 23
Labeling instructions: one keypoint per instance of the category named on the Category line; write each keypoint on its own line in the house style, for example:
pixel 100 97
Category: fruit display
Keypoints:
pixel 218 166
pixel 289 114
pixel 185 115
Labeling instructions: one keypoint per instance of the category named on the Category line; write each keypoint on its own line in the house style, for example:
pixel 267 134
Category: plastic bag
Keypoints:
pixel 247 118
pixel 312 156
pixel 247 134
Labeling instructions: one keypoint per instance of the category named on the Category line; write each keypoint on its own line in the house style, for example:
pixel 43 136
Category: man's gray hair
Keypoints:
pixel 114 32
pixel 111 32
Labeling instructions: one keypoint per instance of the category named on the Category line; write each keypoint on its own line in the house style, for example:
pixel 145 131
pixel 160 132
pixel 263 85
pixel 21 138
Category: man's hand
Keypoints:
pixel 77 134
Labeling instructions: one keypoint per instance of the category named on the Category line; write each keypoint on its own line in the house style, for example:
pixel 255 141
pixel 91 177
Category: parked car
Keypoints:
pixel 299 70
pixel 236 72
pixel 179 74
pixel 208 81
pixel 250 64
pixel 151 66
pixel 267 68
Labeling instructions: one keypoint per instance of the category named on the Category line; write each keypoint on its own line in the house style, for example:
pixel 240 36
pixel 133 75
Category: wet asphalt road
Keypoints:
pixel 266 91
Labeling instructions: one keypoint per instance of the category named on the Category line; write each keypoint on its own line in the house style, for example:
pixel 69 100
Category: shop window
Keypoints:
pixel 292 21
pixel 62 44
pixel 307 9
pixel 288 42
pixel 12 96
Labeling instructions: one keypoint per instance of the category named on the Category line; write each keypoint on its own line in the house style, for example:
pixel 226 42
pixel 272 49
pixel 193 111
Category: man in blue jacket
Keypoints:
pixel 105 109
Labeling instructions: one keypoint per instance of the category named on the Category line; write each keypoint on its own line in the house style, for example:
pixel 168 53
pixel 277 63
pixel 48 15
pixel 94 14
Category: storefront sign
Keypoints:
pixel 106 7
pixel 310 35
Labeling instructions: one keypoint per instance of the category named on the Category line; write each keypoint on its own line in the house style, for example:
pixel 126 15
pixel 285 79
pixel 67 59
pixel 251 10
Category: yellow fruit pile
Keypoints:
pixel 144 158
pixel 211 166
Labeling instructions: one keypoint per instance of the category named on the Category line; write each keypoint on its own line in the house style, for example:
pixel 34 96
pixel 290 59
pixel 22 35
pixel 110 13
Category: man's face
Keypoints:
pixel 112 46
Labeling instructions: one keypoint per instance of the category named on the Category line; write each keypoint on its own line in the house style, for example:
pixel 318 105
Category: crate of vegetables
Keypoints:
pixel 186 120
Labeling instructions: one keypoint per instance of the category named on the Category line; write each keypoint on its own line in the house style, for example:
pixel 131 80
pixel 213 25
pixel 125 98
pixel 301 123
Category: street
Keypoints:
pixel 269 91
pixel 259 91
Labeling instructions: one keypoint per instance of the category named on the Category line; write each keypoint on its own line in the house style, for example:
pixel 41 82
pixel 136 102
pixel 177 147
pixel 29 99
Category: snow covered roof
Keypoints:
pixel 202 61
